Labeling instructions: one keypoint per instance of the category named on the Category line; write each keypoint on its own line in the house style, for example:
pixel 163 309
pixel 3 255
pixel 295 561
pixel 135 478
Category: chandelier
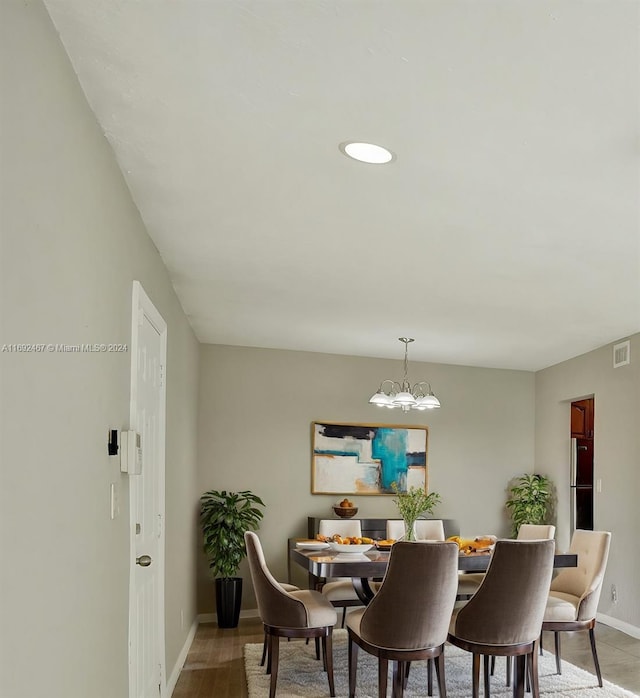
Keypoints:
pixel 392 394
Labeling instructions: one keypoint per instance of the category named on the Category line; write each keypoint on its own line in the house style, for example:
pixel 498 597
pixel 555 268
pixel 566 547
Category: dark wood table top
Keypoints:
pixel 373 563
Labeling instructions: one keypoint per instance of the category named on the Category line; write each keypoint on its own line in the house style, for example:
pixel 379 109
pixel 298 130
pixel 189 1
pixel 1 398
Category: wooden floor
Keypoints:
pixel 214 666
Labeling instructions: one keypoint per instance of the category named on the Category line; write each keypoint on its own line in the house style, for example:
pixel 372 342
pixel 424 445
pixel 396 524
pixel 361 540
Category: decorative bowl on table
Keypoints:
pixel 345 512
pixel 353 549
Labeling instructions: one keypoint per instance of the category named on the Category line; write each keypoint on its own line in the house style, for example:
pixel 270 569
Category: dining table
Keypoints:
pixel 372 564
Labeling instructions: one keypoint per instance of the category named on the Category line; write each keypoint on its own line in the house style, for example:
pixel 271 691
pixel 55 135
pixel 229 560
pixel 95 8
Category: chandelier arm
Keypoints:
pixel 394 385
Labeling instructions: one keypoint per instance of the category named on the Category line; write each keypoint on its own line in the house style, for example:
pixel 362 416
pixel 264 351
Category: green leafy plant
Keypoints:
pixel 529 501
pixel 413 503
pixel 224 517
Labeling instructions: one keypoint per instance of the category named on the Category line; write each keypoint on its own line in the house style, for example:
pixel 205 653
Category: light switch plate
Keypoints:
pixel 114 500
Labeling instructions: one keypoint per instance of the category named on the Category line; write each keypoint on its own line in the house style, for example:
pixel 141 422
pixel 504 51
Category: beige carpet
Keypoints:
pixel 301 676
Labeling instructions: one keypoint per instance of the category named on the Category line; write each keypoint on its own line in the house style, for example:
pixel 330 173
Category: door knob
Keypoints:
pixel 143 561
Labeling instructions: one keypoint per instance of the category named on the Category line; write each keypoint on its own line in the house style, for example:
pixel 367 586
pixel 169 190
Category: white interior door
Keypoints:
pixel 146 492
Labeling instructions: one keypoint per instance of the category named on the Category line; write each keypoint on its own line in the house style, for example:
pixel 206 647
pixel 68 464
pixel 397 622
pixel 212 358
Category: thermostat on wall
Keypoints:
pixel 130 453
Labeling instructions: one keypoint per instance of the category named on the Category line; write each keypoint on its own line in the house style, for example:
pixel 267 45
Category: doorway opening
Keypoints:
pixel 581 485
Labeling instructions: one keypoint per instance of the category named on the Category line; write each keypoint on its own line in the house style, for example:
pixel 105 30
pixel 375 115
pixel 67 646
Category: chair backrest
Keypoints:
pixel 275 606
pixel 536 532
pixel 343 527
pixel 413 606
pixel 509 605
pixel 585 580
pixel 395 529
pixel 429 529
pixel 423 529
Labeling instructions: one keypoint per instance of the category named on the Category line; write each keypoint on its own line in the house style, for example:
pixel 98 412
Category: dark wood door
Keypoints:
pixel 582 419
pixel 582 489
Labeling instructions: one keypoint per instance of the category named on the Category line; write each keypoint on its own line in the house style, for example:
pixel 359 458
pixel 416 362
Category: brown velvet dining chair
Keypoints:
pixel 407 620
pixel 575 592
pixel 504 616
pixel 468 583
pixel 301 614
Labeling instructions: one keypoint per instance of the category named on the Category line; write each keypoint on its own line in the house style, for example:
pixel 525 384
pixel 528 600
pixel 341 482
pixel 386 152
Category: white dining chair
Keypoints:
pixel 423 529
pixel 339 590
pixel 429 529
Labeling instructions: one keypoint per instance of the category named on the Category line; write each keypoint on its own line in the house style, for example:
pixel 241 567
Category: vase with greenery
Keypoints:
pixel 412 504
pixel 224 517
pixel 529 500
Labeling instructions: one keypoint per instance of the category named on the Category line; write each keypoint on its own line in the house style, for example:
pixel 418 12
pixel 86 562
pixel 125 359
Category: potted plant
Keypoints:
pixel 412 503
pixel 224 517
pixel 529 501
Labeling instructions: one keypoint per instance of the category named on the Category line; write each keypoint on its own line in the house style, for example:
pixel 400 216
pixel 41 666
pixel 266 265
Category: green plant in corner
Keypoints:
pixel 413 503
pixel 529 501
pixel 224 517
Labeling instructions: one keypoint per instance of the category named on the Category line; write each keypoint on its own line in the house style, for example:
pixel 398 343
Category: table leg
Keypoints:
pixel 363 589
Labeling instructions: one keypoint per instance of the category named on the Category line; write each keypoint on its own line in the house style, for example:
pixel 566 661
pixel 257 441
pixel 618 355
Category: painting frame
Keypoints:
pixel 363 459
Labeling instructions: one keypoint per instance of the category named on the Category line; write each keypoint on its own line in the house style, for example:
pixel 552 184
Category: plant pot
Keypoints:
pixel 228 600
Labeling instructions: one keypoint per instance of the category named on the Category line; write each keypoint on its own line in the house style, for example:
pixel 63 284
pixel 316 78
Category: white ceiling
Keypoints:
pixel 506 232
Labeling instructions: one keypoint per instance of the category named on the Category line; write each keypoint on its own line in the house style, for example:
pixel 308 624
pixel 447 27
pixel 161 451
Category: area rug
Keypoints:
pixel 300 675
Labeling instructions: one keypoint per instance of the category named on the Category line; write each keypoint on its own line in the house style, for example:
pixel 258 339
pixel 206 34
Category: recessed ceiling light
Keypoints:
pixel 367 152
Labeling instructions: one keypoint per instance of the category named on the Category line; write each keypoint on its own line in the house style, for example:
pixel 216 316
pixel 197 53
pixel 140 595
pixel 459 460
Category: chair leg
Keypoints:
pixel 405 679
pixel 274 651
pixel 269 643
pixel 518 677
pixel 317 648
pixel 327 650
pixel 533 668
pixel 493 664
pixel 475 682
pixel 487 680
pixel 592 640
pixel 508 672
pixel 264 650
pixel 344 616
pixel 383 672
pixel 398 680
pixel 429 677
pixel 442 684
pixel 353 666
pixel 558 659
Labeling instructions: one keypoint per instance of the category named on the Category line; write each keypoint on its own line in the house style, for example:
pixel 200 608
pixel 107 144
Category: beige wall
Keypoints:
pixel 72 243
pixel 256 409
pixel 616 459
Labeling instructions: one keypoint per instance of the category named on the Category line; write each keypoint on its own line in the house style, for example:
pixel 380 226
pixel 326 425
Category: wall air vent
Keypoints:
pixel 621 354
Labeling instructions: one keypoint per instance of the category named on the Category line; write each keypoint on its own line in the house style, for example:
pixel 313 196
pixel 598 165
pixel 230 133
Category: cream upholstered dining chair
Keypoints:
pixel 575 592
pixel 303 613
pixel 504 617
pixel 339 590
pixel 468 583
pixel 429 529
pixel 407 620
pixel 423 529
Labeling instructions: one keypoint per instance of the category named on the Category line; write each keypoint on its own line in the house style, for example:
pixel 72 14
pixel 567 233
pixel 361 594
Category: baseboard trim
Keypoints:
pixel 213 618
pixel 619 625
pixel 182 658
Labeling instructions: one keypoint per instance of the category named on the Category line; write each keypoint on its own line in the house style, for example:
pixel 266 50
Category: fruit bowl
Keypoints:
pixel 352 549
pixel 345 512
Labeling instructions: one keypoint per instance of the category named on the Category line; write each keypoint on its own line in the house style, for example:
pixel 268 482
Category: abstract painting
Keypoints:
pixel 366 459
